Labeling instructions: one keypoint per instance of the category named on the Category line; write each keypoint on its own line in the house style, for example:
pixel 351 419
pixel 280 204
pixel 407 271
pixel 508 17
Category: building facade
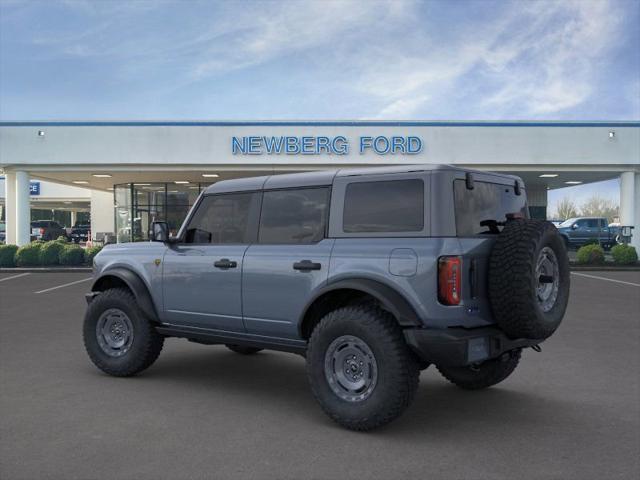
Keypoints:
pixel 138 172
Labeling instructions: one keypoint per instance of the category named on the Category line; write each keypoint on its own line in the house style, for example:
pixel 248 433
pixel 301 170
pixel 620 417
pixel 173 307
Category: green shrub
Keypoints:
pixel 624 254
pixel 8 255
pixel 62 239
pixel 29 255
pixel 50 253
pixel 71 255
pixel 90 253
pixel 590 254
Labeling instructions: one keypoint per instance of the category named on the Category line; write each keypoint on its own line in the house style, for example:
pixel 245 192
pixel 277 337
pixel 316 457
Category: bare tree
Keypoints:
pixel 597 206
pixel 565 209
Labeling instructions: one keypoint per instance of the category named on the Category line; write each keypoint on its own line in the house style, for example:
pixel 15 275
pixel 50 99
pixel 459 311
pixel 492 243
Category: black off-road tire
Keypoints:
pixel 146 342
pixel 484 375
pixel 397 368
pixel 513 280
pixel 243 350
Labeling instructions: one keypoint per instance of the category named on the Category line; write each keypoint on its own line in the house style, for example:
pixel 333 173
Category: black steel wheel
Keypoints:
pixel 361 372
pixel 118 337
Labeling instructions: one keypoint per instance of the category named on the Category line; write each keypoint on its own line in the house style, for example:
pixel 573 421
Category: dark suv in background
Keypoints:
pixel 47 230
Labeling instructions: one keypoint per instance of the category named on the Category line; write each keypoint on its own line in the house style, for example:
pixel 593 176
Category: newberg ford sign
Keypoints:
pixel 310 145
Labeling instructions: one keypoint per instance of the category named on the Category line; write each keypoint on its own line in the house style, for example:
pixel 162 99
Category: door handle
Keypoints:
pixel 225 263
pixel 307 265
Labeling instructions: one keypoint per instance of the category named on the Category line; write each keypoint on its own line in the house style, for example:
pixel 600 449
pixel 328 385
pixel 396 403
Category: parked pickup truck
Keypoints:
pixel 582 230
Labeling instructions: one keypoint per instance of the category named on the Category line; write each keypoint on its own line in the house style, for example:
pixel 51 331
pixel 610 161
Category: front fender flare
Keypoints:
pixel 135 284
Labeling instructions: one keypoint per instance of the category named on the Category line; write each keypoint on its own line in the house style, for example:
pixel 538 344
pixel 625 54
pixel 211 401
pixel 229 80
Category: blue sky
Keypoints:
pixel 144 59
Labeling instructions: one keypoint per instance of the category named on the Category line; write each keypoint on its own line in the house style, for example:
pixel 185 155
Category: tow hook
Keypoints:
pixel 536 348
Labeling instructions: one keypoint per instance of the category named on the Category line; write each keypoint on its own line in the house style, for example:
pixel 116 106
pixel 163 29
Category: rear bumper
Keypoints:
pixel 459 346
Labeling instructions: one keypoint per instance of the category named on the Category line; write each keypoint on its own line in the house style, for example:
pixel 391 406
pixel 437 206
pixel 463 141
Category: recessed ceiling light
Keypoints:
pixel 612 134
pixel 194 188
pixel 101 175
pixel 210 175
pixel 80 182
pixel 180 182
pixel 141 184
pixel 573 182
pixel 172 191
pixel 66 203
pixel 40 133
pixel 548 175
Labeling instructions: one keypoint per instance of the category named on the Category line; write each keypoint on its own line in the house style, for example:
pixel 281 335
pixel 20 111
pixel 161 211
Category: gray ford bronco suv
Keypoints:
pixel 371 274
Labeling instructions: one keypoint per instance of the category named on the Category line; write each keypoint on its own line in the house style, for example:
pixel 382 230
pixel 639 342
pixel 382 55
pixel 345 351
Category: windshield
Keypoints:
pixel 568 223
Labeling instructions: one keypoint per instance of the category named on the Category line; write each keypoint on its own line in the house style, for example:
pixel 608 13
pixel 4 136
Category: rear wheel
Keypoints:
pixel 361 371
pixel 118 337
pixel 242 349
pixel 486 374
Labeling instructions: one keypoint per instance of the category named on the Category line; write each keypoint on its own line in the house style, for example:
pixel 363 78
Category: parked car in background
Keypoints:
pixel 579 231
pixel 47 230
pixel 80 232
pixel 3 232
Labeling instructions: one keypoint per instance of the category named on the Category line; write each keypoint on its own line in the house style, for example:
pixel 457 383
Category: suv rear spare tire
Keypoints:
pixel 529 279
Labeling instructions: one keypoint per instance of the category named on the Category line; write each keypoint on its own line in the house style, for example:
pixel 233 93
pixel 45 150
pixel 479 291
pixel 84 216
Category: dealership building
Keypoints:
pixel 138 172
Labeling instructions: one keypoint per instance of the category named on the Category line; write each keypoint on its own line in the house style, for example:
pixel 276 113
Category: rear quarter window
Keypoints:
pixel 384 206
pixel 487 201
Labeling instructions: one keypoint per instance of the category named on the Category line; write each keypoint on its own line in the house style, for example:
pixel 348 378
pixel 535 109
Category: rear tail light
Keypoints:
pixel 449 280
pixel 42 231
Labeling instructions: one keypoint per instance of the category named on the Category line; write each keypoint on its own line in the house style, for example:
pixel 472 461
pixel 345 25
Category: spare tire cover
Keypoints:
pixel 529 279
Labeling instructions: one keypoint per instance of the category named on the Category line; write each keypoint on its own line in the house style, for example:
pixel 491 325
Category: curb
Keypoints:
pixel 46 270
pixel 604 268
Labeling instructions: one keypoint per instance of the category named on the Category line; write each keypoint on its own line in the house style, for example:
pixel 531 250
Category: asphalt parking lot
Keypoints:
pixel 572 411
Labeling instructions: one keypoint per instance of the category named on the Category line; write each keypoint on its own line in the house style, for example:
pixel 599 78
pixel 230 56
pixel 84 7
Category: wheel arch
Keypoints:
pixel 347 291
pixel 123 277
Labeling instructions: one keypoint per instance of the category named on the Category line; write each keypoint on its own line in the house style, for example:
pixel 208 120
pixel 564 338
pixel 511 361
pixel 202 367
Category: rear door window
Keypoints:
pixel 384 206
pixel 294 216
pixel 487 201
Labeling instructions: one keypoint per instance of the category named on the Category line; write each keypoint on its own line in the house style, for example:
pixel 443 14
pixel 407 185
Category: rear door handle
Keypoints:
pixel 307 265
pixel 225 263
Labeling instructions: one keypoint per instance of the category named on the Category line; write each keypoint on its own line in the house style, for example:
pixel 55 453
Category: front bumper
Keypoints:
pixel 456 347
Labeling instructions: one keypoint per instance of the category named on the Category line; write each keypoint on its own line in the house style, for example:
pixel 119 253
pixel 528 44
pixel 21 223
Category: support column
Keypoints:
pixel 23 209
pixel 630 204
pixel 10 206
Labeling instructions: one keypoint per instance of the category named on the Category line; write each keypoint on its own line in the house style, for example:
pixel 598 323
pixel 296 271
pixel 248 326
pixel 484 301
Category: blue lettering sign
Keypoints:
pixel 34 188
pixel 338 145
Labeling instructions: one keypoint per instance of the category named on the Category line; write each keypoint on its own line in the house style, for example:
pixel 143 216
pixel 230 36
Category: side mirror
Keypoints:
pixel 159 232
pixel 574 226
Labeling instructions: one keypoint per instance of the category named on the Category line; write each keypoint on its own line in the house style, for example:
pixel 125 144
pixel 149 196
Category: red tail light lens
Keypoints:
pixel 449 280
pixel 42 231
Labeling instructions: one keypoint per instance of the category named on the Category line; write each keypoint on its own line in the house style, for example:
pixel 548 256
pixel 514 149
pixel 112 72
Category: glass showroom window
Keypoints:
pixel 137 205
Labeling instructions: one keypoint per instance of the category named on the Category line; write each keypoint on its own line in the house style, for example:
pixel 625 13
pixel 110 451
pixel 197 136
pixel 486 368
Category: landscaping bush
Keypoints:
pixel 8 255
pixel 71 255
pixel 91 252
pixel 624 254
pixel 590 254
pixel 62 239
pixel 29 255
pixel 50 253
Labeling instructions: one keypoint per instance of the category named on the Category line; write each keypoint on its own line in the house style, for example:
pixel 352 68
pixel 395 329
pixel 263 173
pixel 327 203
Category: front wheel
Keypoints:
pixel 118 337
pixel 476 377
pixel 361 371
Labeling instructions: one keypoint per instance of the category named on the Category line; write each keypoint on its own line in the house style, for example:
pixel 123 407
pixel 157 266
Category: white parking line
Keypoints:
pixel 606 279
pixel 65 285
pixel 14 276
